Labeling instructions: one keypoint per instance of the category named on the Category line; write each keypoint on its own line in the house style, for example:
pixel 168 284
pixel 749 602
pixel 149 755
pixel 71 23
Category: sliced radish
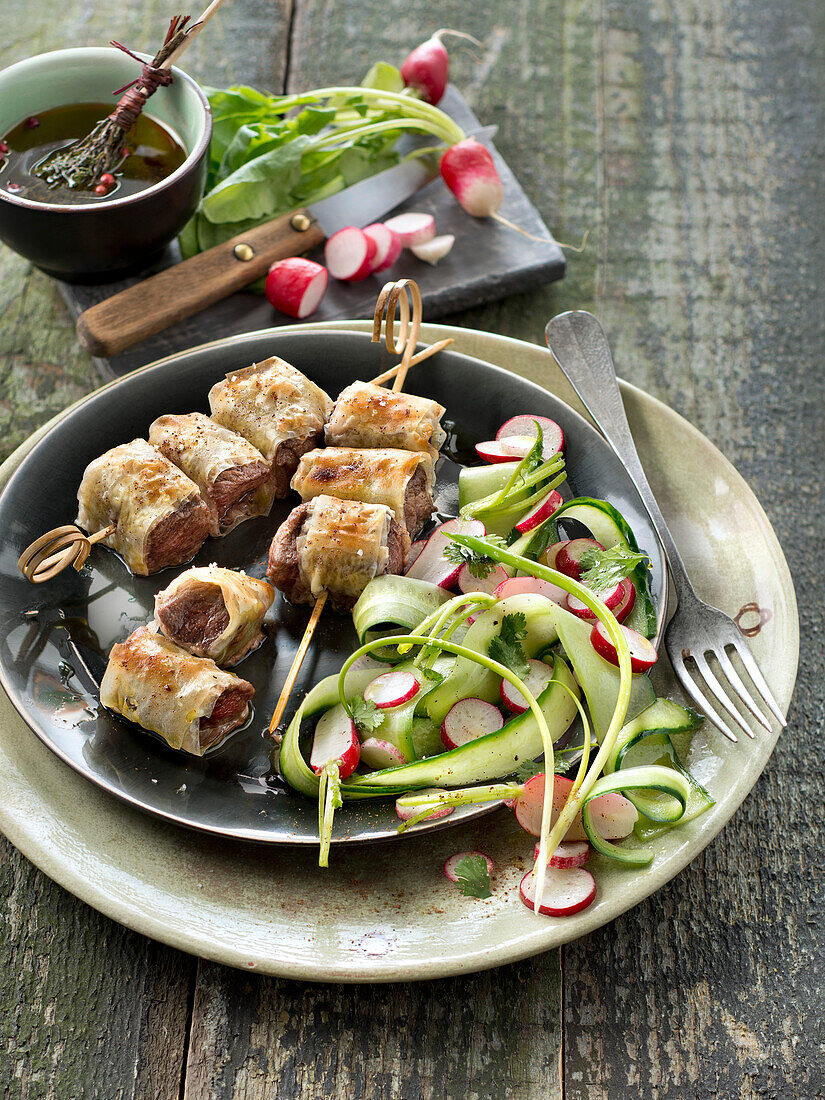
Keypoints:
pixel 468 583
pixel 552 434
pixel 517 445
pixel 391 689
pixel 642 653
pixel 431 565
pixel 610 599
pixel 349 254
pixel 622 610
pixel 612 815
pixel 520 586
pixel 467 720
pixel 549 555
pixel 574 853
pixel 542 511
pixel 378 754
pixel 530 802
pixel 565 891
pixel 491 451
pixel 415 550
pixel 451 864
pixel 412 228
pixel 336 738
pixel 569 555
pixel 387 245
pixel 295 286
pixel 433 250
pixel 535 681
pixel 406 813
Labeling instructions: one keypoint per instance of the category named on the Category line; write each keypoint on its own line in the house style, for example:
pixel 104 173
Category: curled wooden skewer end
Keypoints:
pixel 403 295
pixel 57 550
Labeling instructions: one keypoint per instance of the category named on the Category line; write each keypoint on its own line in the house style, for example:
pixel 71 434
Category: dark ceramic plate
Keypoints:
pixel 54 638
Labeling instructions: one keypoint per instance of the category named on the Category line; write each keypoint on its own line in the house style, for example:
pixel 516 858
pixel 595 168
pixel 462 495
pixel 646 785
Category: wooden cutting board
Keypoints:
pixel 488 261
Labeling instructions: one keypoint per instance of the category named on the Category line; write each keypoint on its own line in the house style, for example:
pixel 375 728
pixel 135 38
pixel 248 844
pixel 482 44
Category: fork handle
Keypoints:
pixel 580 348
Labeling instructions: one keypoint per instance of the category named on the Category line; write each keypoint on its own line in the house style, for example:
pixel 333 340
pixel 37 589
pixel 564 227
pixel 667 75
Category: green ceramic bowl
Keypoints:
pixel 105 240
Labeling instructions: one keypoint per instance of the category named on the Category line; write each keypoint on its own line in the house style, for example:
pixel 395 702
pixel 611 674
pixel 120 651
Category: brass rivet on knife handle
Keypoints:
pixel 243 252
pixel 301 222
pixel 56 550
pixel 393 294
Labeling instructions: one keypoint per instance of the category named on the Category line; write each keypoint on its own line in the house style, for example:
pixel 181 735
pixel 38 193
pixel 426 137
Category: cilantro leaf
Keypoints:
pixel 603 569
pixel 365 714
pixel 472 877
pixel 527 769
pixel 431 675
pixel 506 648
pixel 480 565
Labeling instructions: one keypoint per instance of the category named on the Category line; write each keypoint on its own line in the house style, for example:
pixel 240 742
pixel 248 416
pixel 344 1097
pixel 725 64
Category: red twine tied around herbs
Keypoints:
pixel 138 91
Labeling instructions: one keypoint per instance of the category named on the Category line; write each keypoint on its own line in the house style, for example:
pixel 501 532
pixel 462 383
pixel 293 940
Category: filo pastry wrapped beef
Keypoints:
pixel 188 701
pixel 366 415
pixel 335 546
pixel 402 480
pixel 214 612
pixel 277 409
pixel 159 515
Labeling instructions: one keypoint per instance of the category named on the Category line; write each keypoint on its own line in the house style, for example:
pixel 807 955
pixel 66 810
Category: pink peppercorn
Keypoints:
pixel 32 123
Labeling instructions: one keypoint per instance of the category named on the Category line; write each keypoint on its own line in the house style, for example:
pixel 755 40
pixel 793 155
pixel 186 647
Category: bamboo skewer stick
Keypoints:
pixel 297 661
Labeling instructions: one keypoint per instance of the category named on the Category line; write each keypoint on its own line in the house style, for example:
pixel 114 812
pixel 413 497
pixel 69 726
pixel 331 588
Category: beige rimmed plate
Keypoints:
pixel 388 913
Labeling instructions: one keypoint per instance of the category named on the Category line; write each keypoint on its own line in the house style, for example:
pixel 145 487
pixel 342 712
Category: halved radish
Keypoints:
pixel 491 451
pixel 431 565
pixel 612 815
pixel 451 864
pixel 610 599
pixel 642 653
pixel 529 804
pixel 415 550
pixel 412 228
pixel 336 738
pixel 565 891
pixel 574 853
pixel 535 681
pixel 468 583
pixel 569 555
pixel 391 689
pixel 520 586
pixel 433 250
pixel 378 754
pixel 295 286
pixel 349 254
pixel 542 511
pixel 387 245
pixel 517 445
pixel 467 720
pixel 406 813
pixel 552 434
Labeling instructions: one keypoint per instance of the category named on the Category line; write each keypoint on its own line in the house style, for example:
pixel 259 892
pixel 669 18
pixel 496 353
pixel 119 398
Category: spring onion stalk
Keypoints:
pixel 582 786
pixel 494 501
pixel 434 622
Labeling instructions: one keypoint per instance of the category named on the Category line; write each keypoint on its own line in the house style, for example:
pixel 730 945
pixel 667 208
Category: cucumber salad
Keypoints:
pixel 516 646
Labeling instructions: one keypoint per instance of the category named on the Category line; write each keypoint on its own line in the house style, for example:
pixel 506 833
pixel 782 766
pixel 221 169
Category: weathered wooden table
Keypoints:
pixel 688 138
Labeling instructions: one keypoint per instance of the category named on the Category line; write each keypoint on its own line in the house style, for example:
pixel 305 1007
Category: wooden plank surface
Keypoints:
pixel 688 138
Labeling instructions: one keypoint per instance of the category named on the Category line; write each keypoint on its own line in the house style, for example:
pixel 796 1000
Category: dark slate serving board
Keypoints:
pixel 488 261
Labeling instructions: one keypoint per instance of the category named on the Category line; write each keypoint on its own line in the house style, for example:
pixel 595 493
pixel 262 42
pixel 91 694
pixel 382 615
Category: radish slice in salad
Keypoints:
pixel 407 813
pixel 535 681
pixel 378 754
pixel 387 245
pixel 468 719
pixel 520 586
pixel 415 550
pixel 412 228
pixel 517 445
pixel 542 511
pixel 642 653
pixel 431 565
pixel 565 891
pixel 549 555
pixel 336 738
pixel 349 254
pixel 569 554
pixel 391 689
pixel 619 600
pixel 451 864
pixel 295 286
pixel 573 853
pixel 612 815
pixel 552 434
pixel 468 583
pixel 491 451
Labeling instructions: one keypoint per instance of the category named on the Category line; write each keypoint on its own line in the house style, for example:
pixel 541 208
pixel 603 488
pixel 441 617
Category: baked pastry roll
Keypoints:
pixel 159 515
pixel 188 701
pixel 277 409
pixel 335 546
pixel 214 612
pixel 402 480
pixel 366 415
pixel 232 475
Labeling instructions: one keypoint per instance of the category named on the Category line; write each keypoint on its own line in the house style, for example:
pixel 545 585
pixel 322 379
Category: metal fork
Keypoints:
pixel 697 630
